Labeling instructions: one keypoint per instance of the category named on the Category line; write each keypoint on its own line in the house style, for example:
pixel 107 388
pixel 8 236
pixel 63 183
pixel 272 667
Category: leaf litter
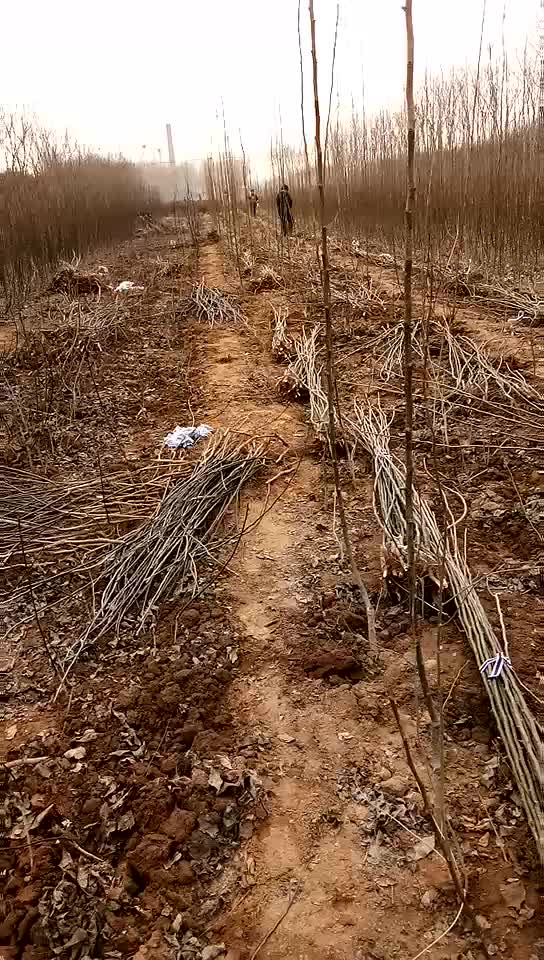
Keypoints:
pixel 124 761
pixel 386 816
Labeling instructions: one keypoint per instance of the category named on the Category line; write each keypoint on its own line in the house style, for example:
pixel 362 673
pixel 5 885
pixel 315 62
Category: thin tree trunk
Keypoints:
pixel 331 378
pixel 332 82
pixel 408 354
pixel 438 757
pixel 306 157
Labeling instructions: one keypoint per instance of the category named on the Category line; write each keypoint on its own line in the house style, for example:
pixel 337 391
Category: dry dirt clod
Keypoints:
pixel 156 948
pixel 179 825
pixel 429 898
pixel 397 786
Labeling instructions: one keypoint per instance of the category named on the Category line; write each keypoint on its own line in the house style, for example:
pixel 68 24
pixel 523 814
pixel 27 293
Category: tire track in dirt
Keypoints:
pixel 338 907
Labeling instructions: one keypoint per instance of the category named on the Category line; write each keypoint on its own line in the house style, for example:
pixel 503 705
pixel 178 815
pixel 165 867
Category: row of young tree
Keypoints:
pixel 57 199
pixel 479 178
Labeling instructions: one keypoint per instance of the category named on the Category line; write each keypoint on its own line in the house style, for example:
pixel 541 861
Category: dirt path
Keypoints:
pixel 308 856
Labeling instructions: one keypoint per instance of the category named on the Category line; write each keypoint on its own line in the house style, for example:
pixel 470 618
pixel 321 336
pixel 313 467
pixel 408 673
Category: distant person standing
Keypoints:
pixel 284 203
pixel 253 202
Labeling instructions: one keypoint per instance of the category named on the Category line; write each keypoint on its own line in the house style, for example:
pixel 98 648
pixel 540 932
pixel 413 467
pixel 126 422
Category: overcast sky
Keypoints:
pixel 113 71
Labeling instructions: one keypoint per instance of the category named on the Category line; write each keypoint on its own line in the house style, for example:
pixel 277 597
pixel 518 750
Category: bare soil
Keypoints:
pixel 234 778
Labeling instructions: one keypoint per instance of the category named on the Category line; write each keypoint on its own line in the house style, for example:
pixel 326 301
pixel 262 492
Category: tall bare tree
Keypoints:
pixel 408 269
pixel 330 366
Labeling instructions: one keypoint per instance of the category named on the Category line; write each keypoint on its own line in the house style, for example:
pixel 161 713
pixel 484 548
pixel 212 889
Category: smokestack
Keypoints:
pixel 171 154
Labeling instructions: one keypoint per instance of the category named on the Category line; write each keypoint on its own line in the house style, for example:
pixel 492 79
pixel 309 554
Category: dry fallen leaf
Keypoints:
pixel 215 779
pixel 43 770
pixel 83 876
pixel 285 738
pixel 77 753
pixel 66 862
pixel 423 848
pixel 513 894
pixel 126 822
pixel 80 936
pixel 25 824
pixel 208 826
pixel 11 732
pixel 88 736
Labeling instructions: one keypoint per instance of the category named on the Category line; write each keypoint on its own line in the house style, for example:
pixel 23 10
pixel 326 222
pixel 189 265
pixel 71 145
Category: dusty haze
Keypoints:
pixel 115 75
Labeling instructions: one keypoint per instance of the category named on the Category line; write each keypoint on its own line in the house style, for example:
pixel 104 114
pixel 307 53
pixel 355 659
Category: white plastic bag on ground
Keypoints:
pixel 127 286
pixel 183 437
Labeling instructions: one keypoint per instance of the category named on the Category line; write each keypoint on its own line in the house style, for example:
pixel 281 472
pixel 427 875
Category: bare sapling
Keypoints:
pixel 304 138
pixel 329 346
pixel 408 359
pixel 249 218
pixel 193 218
pixel 407 333
pixel 434 807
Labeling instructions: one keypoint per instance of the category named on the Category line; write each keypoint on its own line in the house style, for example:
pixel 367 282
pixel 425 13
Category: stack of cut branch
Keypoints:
pixel 523 305
pixel 472 367
pixel 526 306
pixel 345 290
pixel 304 375
pixel 74 282
pixel 75 331
pixel 521 734
pixel 282 345
pixel 380 258
pixel 210 304
pixel 461 372
pixel 354 294
pixel 146 225
pixel 267 279
pixel 49 523
pixel 160 558
pixel 388 346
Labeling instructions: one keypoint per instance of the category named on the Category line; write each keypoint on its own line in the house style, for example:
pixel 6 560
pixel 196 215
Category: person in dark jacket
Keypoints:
pixel 253 202
pixel 284 203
